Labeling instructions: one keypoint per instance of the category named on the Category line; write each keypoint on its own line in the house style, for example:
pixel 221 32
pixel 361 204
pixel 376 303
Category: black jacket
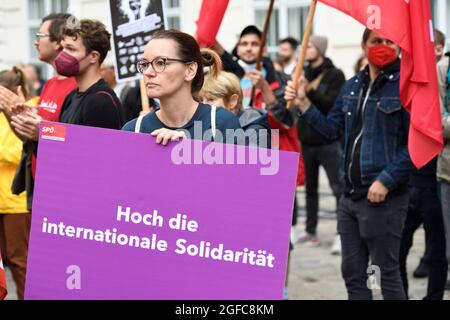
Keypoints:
pixel 323 98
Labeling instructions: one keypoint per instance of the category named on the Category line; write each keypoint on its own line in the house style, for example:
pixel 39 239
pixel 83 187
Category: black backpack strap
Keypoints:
pixel 115 105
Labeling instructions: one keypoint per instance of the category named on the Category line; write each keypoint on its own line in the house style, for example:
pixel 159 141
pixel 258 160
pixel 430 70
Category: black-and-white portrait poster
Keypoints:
pixel 133 23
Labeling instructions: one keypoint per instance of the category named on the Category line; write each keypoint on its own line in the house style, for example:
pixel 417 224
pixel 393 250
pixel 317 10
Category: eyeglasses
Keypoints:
pixel 41 35
pixel 159 64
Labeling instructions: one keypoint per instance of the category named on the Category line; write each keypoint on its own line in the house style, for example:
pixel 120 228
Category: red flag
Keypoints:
pixel 209 21
pixel 3 291
pixel 408 24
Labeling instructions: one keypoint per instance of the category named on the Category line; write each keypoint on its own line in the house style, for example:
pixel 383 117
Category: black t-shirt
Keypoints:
pixel 96 107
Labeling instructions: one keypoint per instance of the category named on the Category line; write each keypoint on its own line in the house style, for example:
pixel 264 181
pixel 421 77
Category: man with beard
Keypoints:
pixel 324 82
pixel 287 58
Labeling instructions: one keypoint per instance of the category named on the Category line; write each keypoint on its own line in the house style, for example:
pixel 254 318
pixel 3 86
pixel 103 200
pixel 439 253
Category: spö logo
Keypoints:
pixel 46 129
pixel 55 132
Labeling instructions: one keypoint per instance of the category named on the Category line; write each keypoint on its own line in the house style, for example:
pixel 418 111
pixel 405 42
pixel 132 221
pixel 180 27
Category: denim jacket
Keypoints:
pixel 384 149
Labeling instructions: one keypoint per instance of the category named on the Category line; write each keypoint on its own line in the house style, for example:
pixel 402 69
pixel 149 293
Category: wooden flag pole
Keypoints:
pixel 263 45
pixel 144 97
pixel 305 41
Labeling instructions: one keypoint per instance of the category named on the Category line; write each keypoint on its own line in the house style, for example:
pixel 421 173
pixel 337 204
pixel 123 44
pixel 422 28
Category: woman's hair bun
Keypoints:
pixel 212 60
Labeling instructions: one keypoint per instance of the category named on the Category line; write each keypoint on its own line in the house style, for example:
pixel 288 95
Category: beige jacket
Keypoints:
pixel 443 169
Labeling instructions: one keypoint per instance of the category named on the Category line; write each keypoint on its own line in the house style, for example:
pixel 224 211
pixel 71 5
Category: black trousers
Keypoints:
pixel 372 231
pixel 425 208
pixel 327 156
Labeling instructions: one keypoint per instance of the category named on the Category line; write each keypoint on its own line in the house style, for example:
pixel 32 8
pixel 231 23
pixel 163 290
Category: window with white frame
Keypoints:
pixel 173 14
pixel 447 25
pixel 38 9
pixel 440 10
pixel 288 20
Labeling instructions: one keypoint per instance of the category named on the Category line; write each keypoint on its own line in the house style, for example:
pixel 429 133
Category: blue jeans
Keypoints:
pixel 372 231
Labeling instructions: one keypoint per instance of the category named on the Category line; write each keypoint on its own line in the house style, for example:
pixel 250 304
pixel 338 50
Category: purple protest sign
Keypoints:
pixel 116 217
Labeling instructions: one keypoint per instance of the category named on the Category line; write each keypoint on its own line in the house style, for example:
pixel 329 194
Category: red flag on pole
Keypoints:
pixel 3 291
pixel 408 24
pixel 209 21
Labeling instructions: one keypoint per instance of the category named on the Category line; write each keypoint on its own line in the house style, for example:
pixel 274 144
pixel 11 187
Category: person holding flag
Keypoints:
pixel 242 62
pixel 409 25
pixel 376 166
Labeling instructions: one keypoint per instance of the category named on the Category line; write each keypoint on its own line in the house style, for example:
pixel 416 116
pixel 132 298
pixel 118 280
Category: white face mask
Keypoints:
pixel 246 66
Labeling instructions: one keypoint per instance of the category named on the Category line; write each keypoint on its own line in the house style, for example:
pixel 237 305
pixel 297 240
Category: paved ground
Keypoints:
pixel 11 287
pixel 315 273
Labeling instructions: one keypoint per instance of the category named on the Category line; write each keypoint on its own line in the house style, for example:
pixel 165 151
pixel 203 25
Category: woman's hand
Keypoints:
pixel 26 124
pixel 163 136
pixel 8 99
pixel 19 108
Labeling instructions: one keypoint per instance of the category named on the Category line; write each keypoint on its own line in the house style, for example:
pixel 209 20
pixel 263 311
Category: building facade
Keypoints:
pixel 20 20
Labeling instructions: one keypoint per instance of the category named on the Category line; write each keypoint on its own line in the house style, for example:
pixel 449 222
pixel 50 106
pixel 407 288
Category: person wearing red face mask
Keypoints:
pixel 93 103
pixel 375 165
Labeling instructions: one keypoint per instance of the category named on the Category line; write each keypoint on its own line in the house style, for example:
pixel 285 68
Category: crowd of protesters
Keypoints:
pixel 356 130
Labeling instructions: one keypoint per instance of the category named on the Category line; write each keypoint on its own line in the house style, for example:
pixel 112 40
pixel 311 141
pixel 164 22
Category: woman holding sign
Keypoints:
pixel 172 66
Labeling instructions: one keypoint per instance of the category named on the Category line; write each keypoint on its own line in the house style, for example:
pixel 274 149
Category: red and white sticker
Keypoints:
pixel 55 132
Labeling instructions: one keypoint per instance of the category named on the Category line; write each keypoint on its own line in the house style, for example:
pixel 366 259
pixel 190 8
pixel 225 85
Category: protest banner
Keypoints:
pixel 117 216
pixel 133 22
